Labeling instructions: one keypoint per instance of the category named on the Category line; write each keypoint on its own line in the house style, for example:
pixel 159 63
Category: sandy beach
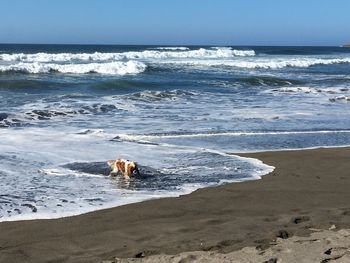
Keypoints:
pixel 306 197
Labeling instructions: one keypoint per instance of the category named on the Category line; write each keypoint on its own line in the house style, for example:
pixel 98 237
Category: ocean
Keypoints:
pixel 178 111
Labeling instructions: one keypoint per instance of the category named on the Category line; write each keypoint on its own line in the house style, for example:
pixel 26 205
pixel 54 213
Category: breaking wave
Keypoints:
pixel 264 63
pixel 112 68
pixel 172 48
pixel 146 54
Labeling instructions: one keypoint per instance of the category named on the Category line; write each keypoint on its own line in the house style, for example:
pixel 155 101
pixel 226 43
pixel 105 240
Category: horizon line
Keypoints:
pixel 171 45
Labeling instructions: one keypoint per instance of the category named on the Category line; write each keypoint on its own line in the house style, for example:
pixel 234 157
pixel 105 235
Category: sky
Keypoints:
pixel 176 22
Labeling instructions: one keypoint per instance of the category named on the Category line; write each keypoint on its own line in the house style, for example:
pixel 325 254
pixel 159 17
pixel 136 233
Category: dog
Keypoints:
pixel 126 167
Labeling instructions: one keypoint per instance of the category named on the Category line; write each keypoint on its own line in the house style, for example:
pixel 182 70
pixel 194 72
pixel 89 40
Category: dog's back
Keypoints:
pixel 124 166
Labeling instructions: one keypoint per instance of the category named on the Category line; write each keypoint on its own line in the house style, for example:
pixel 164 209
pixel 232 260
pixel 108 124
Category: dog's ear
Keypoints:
pixel 111 163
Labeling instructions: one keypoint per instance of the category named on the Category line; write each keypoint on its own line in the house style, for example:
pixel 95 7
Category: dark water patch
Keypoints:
pixel 332 80
pixel 300 50
pixel 331 70
pixel 95 168
pixel 25 84
pixel 3 116
pixel 68 48
pixel 23 71
pixel 102 168
pixel 70 97
pixel 42 115
pixel 198 167
pixel 267 81
pixel 47 114
pixel 120 84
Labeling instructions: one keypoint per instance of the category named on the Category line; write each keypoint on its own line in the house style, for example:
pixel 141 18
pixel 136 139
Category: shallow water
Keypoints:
pixel 177 111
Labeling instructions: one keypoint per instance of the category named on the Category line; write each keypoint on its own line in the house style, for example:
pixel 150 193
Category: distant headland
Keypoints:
pixel 347 45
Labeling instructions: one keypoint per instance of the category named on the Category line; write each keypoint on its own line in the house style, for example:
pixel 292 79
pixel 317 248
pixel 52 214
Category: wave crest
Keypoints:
pixel 264 63
pixel 111 68
pixel 146 54
pixel 172 48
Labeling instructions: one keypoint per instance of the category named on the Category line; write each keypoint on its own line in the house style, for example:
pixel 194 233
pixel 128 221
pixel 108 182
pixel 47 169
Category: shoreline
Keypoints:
pixel 307 189
pixel 257 175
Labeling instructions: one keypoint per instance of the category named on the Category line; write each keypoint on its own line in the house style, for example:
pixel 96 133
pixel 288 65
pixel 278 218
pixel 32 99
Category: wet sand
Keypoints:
pixel 308 190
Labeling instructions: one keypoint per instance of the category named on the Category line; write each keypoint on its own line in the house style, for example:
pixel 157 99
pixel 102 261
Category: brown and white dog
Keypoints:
pixel 126 167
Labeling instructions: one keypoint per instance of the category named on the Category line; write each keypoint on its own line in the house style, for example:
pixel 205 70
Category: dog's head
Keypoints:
pixel 133 168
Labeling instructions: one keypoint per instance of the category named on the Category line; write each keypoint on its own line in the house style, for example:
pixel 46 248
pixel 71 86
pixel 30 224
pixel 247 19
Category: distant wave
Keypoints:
pixel 146 54
pixel 112 68
pixel 172 48
pixel 133 62
pixel 264 63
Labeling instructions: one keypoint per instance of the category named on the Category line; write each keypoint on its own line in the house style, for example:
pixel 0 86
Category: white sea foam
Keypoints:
pixel 340 99
pixel 60 191
pixel 146 54
pixel 298 90
pixel 309 90
pixel 202 57
pixel 172 48
pixel 113 68
pixel 263 63
pixel 131 137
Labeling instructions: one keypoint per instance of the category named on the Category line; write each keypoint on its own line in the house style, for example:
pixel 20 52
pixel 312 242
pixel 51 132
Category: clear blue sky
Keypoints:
pixel 213 22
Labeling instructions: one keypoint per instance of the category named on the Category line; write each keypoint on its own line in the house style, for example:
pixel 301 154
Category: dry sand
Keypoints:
pixel 308 190
pixel 322 246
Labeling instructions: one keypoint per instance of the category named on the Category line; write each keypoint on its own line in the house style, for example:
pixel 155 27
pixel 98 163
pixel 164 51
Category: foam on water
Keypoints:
pixel 130 137
pixel 112 68
pixel 263 63
pixel 345 99
pixel 172 48
pixel 146 54
pixel 50 187
pixel 119 63
pixel 309 90
pixel 154 96
pixel 134 62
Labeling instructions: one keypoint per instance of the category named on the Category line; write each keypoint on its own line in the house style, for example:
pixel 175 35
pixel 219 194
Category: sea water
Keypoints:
pixel 177 111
